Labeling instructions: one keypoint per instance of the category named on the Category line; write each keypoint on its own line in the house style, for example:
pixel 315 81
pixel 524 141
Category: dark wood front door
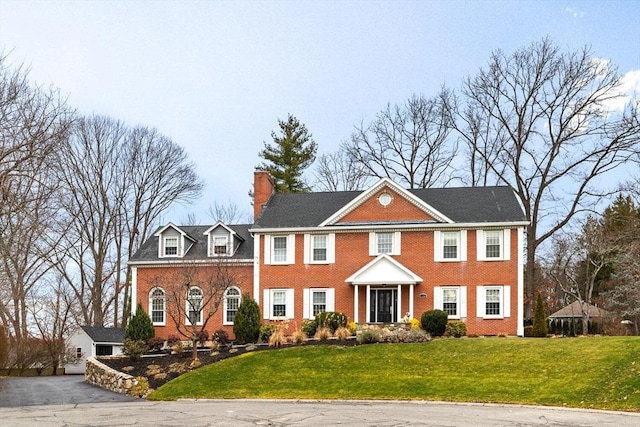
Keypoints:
pixel 383 305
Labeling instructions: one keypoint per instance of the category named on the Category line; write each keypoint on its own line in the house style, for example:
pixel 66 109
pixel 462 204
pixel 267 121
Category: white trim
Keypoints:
pixel 269 247
pixel 368 305
pixel 377 187
pixel 461 300
pixel 289 304
pixel 411 299
pixel 520 290
pixel 164 306
pixel 134 288
pixel 307 300
pixel 330 248
pixel 391 267
pixel 187 322
pixel 505 245
pixel 355 303
pixel 505 303
pixel 256 268
pixel 438 246
pixel 396 242
pixel 225 307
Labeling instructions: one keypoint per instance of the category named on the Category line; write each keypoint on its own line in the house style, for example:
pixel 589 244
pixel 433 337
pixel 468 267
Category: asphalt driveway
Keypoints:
pixel 55 390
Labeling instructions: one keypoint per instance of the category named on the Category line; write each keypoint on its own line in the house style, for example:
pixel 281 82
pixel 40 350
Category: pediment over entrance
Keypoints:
pixel 384 270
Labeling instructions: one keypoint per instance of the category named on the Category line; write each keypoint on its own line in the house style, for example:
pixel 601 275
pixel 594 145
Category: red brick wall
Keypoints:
pixel 398 210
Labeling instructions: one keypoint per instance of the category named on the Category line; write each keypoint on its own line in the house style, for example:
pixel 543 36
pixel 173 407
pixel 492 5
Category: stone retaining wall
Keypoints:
pixel 99 374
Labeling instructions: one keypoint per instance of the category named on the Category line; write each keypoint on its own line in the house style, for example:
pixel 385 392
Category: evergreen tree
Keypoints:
pixel 140 327
pixel 539 319
pixel 290 154
pixel 246 322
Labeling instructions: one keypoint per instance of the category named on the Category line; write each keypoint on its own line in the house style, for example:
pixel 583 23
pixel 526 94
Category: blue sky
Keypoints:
pixel 216 76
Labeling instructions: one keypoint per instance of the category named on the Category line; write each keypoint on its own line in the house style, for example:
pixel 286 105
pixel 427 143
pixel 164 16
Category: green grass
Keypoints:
pixel 600 372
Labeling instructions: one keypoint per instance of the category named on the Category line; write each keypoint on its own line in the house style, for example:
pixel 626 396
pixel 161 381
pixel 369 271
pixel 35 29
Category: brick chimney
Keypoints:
pixel 263 188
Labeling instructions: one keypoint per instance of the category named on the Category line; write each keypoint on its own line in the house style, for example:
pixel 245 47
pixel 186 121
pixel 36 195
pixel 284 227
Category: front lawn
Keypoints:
pixel 598 372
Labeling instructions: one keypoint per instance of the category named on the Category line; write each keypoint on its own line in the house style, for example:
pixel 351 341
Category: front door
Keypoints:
pixel 383 305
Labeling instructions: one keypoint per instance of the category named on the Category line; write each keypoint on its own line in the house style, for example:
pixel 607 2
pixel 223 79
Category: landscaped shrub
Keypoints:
pixel 415 323
pixel 134 348
pixel 298 337
pixel 221 337
pixel 309 327
pixel 246 322
pixel 155 344
pixel 175 344
pixel 140 387
pixel 203 336
pixel 368 336
pixel 434 322
pixel 266 331
pixel 342 333
pixel 323 333
pixel 456 328
pixel 353 327
pixel 277 338
pixel 404 335
pixel 140 327
pixel 331 319
pixel 539 319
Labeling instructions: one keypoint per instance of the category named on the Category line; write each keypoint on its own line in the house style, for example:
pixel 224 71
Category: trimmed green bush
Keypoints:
pixel 309 327
pixel 140 327
pixel 539 319
pixel 246 323
pixel 434 322
pixel 134 348
pixel 331 319
pixel 456 328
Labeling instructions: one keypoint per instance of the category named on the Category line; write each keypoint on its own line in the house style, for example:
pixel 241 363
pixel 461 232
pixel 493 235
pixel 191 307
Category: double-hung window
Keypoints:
pixel 170 246
pixel 384 242
pixel 280 249
pixel 493 245
pixel 157 301
pixel 319 247
pixel 231 304
pixel 317 300
pixel 278 304
pixel 493 301
pixel 452 300
pixel 220 245
pixel 450 245
pixel 194 306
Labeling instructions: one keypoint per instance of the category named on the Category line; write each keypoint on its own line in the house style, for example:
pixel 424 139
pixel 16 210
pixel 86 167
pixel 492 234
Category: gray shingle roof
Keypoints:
pixel 462 205
pixel 149 249
pixel 107 335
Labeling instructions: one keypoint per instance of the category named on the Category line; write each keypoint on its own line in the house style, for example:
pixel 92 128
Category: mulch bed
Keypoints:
pixel 161 368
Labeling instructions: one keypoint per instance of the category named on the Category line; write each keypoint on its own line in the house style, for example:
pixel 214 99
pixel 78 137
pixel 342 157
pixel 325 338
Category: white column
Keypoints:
pixel 368 304
pixel 399 313
pixel 256 268
pixel 411 299
pixel 134 290
pixel 355 303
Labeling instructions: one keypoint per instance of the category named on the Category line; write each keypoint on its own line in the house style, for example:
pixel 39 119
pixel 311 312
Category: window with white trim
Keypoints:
pixel 384 242
pixel 278 304
pixel 493 245
pixel 232 297
pixel 493 301
pixel 450 245
pixel 317 300
pixel 452 299
pixel 171 246
pixel 319 244
pixel 221 245
pixel 194 306
pixel 280 249
pixel 157 305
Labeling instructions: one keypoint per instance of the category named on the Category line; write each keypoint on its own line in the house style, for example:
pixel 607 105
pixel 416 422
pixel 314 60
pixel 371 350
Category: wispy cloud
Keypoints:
pixel 574 12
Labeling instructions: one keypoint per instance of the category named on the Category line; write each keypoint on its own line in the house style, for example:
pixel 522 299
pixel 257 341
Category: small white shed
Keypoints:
pixel 93 341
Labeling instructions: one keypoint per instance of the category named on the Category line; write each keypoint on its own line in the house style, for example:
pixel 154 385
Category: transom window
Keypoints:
pixel 280 249
pixel 319 302
pixel 231 304
pixel 319 247
pixel 171 246
pixel 279 303
pixel 158 300
pixel 194 306
pixel 492 243
pixel 450 244
pixel 220 245
pixel 385 243
pixel 450 301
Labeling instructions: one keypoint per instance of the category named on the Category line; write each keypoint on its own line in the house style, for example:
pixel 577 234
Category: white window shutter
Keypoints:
pixel 480 245
pixel 506 298
pixel 480 301
pixel 331 299
pixel 308 250
pixel 291 249
pixel 160 246
pixel 331 248
pixel 266 313
pixel 506 245
pixel 267 250
pixel 437 246
pixel 437 298
pixel 306 303
pixel 373 244
pixel 289 309
pixel 463 301
pixel 396 243
pixel 463 245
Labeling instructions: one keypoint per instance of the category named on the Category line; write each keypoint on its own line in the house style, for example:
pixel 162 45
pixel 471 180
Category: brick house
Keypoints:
pixel 374 255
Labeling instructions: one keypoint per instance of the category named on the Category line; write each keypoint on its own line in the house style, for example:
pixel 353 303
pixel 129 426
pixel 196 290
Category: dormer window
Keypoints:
pixel 170 246
pixel 221 245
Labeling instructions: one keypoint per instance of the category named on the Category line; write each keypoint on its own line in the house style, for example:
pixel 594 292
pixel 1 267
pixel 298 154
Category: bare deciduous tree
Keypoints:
pixel 408 143
pixel 538 120
pixel 229 213
pixel 340 172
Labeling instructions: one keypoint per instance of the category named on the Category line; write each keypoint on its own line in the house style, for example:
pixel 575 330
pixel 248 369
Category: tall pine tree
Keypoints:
pixel 292 151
